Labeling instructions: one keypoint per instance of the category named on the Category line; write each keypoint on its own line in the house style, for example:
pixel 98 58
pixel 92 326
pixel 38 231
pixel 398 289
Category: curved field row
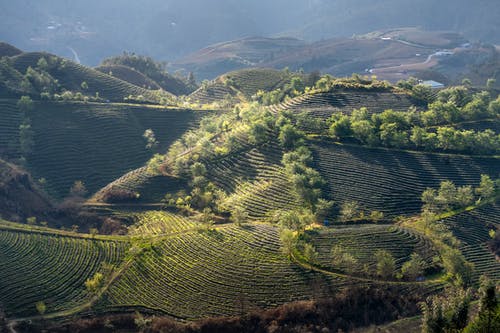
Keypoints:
pixel 213 92
pixel 322 105
pixel 10 119
pixel 481 125
pixel 472 229
pixel 130 75
pixel 392 181
pixel 250 81
pixel 255 179
pixel 159 223
pixel 363 241
pixel 97 143
pixel 51 269
pixel 225 272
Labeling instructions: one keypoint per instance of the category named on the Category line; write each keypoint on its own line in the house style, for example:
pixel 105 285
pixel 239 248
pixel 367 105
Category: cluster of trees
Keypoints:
pixel 451 312
pixel 385 264
pixel 450 197
pixel 294 88
pixel 429 130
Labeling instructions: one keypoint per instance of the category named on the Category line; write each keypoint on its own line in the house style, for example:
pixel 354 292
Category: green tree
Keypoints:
pixel 41 308
pixel 310 254
pixel 78 189
pixel 341 127
pixel 349 210
pixel 289 136
pixel 93 284
pixel 25 104
pixel 386 264
pixel 288 242
pixel 414 267
pixel 486 187
pixel 150 137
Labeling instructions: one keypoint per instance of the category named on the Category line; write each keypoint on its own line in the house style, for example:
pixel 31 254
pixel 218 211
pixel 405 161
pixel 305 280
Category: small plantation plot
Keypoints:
pixel 256 180
pixel 159 223
pixel 362 242
pixel 51 269
pixel 472 229
pixel 250 81
pixel 212 273
pixel 392 181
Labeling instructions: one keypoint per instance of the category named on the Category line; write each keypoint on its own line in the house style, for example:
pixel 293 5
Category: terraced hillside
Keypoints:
pixel 250 81
pixel 97 143
pixel 49 268
pixel 214 91
pixel 71 75
pixel 472 229
pixel 392 181
pixel 129 75
pixel 363 241
pixel 323 104
pixel 220 272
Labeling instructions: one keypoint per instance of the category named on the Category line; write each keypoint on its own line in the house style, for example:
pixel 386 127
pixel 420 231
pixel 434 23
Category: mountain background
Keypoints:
pixel 167 30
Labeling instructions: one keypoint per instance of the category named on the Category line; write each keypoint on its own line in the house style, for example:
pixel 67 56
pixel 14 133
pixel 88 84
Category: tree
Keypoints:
pixel 31 220
pixel 448 313
pixel 41 307
pixel 84 86
pixel 150 137
pixel 310 254
pixel 376 216
pixel 456 266
pixel 288 241
pixel 447 194
pixel 488 305
pixel 414 267
pixel 26 137
pixel 78 189
pixel 486 187
pixel 348 210
pixel 341 127
pixel 322 209
pixel 25 104
pixel 239 215
pixel 465 196
pixel 289 136
pixel 93 284
pixel 386 264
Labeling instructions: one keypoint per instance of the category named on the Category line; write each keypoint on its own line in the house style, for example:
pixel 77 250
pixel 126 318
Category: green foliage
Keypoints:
pixel 343 258
pixel 349 210
pixel 456 265
pixel 94 284
pixel 25 104
pixel 78 189
pixel 310 254
pixel 150 137
pixel 288 242
pixel 414 267
pixel 41 307
pixel 290 137
pixel 448 313
pixel 486 187
pixel 386 264
pixel 450 197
